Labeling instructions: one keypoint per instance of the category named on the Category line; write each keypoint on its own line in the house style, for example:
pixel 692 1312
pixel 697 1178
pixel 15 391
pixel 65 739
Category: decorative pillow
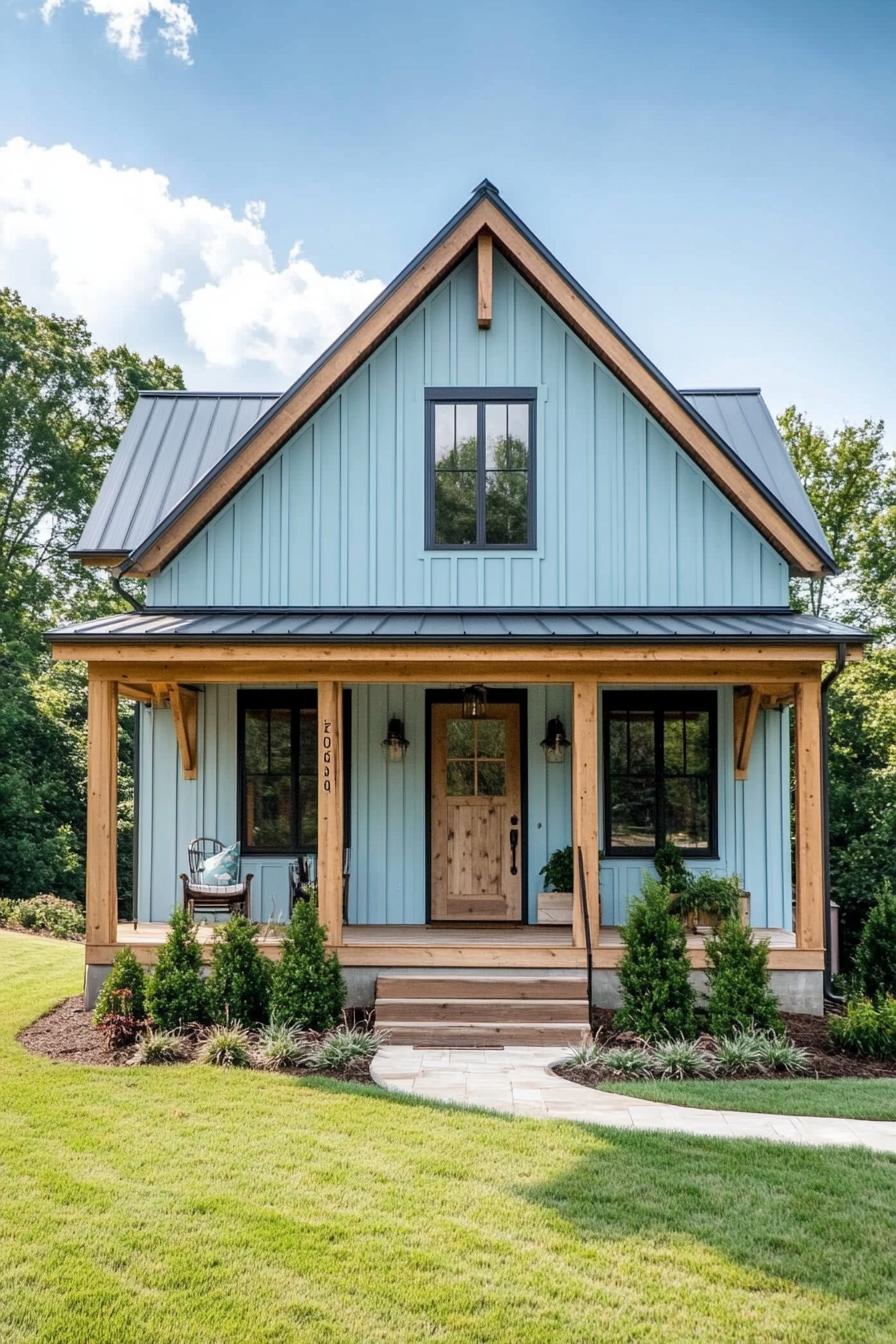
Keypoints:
pixel 222 870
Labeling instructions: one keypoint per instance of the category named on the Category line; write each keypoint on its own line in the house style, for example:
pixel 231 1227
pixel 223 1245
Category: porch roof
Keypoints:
pixel 440 625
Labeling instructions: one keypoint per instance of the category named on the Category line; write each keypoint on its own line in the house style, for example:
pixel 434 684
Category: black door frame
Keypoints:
pixel 496 697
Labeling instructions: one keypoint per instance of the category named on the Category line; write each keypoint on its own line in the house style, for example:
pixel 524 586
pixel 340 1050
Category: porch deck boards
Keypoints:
pixel 396 946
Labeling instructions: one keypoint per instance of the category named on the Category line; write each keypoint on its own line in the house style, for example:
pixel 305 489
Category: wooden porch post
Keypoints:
pixel 584 807
pixel 809 816
pixel 102 811
pixel 330 841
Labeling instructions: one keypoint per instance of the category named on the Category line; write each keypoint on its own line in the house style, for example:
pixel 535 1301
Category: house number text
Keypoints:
pixel 326 745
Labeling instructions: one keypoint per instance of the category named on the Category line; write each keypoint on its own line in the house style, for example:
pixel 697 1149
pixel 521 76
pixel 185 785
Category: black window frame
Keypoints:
pixel 479 397
pixel 294 700
pixel 657 702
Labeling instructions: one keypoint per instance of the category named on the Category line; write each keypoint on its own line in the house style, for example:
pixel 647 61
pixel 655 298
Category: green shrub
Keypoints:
pixel 778 1055
pixel 657 998
pixel 239 986
pixel 866 1028
pixel 7 911
pixel 308 988
pixel 228 1047
pixel 281 1046
pixel 161 1047
pixel 680 1059
pixel 126 973
pixel 875 964
pixel 119 1024
pixel 346 1045
pixel 739 1053
pixel 50 914
pixel 588 1054
pixel 631 1061
pixel 176 992
pixel 557 872
pixel 671 868
pixel 739 994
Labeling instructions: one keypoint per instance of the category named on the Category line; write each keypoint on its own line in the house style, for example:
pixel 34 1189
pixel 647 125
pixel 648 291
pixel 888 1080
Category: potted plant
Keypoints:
pixel 703 902
pixel 555 903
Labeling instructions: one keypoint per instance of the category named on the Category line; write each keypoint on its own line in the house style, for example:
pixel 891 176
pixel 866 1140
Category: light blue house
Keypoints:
pixel 480 586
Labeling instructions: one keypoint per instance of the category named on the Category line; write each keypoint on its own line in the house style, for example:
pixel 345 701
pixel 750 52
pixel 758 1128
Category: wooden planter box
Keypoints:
pixel 699 921
pixel 554 907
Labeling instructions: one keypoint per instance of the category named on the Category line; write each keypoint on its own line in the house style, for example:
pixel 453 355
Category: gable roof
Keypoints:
pixel 745 481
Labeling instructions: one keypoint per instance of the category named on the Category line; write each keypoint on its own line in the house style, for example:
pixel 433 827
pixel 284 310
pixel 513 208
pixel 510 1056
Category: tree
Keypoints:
pixel 657 997
pixel 850 478
pixel 63 406
pixel 737 971
pixel 308 989
pixel 239 987
pixel 875 974
pixel 176 994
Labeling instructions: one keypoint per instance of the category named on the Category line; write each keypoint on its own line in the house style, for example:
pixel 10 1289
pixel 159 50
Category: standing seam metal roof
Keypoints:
pixel 372 625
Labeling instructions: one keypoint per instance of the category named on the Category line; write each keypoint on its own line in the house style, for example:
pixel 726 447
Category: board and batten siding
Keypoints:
pixel 336 518
pixel 388 811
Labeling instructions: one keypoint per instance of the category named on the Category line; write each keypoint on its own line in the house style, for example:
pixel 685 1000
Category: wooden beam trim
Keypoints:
pixel 809 820
pixel 599 337
pixel 748 716
pixel 484 271
pixel 185 712
pixel 462 655
pixel 101 875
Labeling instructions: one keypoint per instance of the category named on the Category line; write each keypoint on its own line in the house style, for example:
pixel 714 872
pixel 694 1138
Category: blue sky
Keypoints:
pixel 719 176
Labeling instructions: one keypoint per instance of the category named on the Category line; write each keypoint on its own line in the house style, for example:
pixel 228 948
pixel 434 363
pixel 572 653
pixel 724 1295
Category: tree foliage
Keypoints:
pixel 176 993
pixel 308 989
pixel 737 971
pixel 63 405
pixel 657 997
pixel 239 987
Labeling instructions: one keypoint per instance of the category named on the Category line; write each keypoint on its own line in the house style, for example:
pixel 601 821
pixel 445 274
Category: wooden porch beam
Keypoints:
pixel 585 792
pixel 101 873
pixel 330 838
pixel 185 712
pixel 810 931
pixel 484 267
pixel 747 701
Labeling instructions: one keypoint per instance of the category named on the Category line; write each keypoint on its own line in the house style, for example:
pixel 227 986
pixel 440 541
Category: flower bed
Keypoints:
pixel 809 1034
pixel 68 1033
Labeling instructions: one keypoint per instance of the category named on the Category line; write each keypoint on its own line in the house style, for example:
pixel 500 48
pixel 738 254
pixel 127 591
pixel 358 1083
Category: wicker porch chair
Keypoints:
pixel 204 898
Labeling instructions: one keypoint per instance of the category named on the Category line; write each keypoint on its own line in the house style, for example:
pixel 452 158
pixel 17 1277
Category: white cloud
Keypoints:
pixel 178 276
pixel 125 20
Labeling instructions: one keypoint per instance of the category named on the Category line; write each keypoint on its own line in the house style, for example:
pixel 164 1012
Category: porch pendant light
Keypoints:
pixel 475 702
pixel 555 742
pixel 395 742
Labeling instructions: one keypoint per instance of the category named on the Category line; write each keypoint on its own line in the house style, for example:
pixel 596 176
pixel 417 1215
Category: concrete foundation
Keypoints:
pixel 93 983
pixel 796 991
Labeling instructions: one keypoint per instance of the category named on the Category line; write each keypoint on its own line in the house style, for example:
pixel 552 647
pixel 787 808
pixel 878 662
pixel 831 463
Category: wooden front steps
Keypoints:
pixel 467 1010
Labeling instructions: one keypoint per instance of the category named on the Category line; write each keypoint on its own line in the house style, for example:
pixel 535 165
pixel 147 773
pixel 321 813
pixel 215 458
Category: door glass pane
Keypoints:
pixel 491 779
pixel 461 737
pixel 455 508
pixel 507 508
pixel 491 734
pixel 459 781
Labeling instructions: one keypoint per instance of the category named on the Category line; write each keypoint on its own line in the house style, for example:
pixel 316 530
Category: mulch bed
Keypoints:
pixel 809 1032
pixel 67 1034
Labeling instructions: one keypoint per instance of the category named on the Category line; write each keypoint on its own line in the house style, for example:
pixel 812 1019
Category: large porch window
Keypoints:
pixel 277 753
pixel 661 771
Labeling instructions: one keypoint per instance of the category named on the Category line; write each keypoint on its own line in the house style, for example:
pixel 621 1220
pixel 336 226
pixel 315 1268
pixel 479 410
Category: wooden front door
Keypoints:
pixel 476 850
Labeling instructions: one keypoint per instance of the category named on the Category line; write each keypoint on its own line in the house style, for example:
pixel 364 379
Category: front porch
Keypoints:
pixel 753 684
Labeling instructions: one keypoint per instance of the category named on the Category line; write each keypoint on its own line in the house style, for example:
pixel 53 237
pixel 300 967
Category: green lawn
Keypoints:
pixel 862 1099
pixel 192 1206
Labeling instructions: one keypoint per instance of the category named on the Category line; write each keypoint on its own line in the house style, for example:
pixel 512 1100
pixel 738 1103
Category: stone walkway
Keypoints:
pixel 519 1081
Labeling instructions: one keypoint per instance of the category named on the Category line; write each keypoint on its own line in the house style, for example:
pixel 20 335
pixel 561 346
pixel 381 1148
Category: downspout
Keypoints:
pixel 122 592
pixel 827 682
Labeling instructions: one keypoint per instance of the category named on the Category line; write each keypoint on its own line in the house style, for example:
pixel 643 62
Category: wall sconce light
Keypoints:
pixel 475 702
pixel 395 742
pixel 555 742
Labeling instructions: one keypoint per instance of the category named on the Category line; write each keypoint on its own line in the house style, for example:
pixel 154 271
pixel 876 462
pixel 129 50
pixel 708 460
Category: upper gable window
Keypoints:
pixel 480 446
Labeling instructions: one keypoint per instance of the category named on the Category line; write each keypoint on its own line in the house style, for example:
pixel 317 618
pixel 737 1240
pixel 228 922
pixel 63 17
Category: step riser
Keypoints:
pixel 462 1035
pixel 481 1010
pixel 464 987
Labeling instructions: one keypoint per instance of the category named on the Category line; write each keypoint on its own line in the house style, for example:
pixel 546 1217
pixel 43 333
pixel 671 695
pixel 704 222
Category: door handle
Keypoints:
pixel 514 841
